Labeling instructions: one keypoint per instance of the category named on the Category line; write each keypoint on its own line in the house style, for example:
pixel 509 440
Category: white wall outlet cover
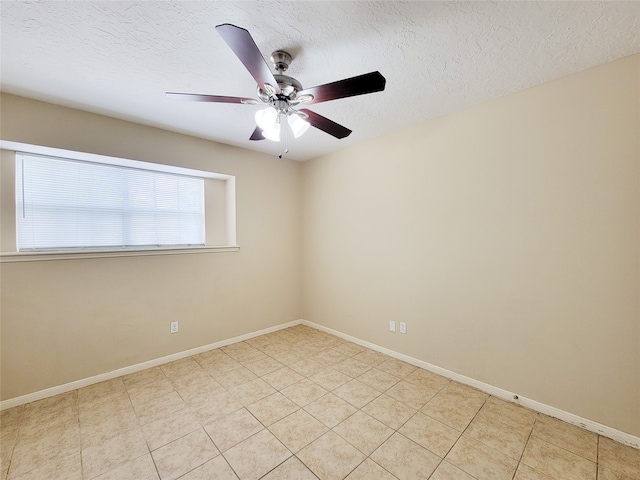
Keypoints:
pixel 403 327
pixel 392 326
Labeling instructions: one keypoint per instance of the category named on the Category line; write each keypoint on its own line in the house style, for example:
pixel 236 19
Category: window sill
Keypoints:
pixel 79 254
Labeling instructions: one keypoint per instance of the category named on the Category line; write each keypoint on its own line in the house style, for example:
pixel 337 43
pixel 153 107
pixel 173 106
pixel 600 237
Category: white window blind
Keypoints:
pixel 70 204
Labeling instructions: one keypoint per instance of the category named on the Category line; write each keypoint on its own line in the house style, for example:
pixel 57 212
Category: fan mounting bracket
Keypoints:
pixel 281 60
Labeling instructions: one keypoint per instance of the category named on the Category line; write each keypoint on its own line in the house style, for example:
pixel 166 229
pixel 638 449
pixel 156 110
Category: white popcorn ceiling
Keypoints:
pixel 117 58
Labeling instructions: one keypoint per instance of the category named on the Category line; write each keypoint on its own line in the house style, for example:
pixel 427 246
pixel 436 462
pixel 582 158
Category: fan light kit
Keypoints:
pixel 281 92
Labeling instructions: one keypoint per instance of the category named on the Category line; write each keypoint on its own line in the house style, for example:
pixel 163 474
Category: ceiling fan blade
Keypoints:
pixel 257 134
pixel 349 87
pixel 242 44
pixel 326 125
pixel 196 97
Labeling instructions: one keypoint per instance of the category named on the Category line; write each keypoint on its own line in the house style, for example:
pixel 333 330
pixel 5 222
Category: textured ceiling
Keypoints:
pixel 118 58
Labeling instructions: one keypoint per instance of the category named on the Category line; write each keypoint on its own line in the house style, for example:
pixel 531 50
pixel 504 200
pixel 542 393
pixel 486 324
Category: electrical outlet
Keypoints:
pixel 403 327
pixel 174 327
pixel 392 326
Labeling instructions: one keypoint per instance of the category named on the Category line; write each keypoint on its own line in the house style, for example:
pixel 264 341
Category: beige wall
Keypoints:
pixel 67 320
pixel 506 236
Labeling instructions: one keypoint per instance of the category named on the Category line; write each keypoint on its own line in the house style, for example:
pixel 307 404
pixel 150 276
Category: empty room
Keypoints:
pixel 319 240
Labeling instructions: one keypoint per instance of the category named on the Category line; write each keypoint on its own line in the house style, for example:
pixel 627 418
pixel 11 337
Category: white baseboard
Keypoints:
pixel 604 430
pixel 84 382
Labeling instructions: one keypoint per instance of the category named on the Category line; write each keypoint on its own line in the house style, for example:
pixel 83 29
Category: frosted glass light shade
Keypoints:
pixel 266 118
pixel 298 125
pixel 272 133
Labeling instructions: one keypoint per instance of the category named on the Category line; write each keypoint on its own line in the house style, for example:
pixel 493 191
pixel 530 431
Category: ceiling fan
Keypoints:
pixel 281 92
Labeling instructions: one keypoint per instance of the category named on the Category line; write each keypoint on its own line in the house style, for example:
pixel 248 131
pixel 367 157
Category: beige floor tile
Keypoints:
pixel 142 468
pixel 329 357
pixel 209 357
pixel 220 365
pixel 330 409
pixel 200 393
pixel 371 357
pixel 216 469
pixel 572 438
pixel 183 455
pixel 405 459
pixel 396 367
pixel 148 375
pixel 68 467
pixel 51 405
pixel 159 407
pixel 37 424
pixel 304 392
pixel 446 471
pixel 307 367
pixel 264 366
pixel 297 430
pixel 450 413
pixel 509 413
pixel 180 367
pixel 389 411
pixel 291 469
pixel 330 457
pixel 257 455
pixel 34 431
pixel 252 391
pixel 11 416
pixel 282 378
pixel 191 378
pixel 508 440
pixel 410 394
pixel 363 432
pixel 233 429
pixel 557 462
pixel 167 429
pixel 349 349
pixel 525 472
pixel 356 393
pixel 235 377
pixel 430 434
pixel 100 390
pixel 464 395
pixel 99 459
pixel 351 367
pixel 329 379
pixel 272 408
pixel 243 352
pixel 481 461
pixel 109 427
pixel 217 406
pixel 51 448
pixel 377 379
pixel 287 356
pixel 429 380
pixel 619 458
pixel 605 473
pixel 370 470
pixel 100 409
pixel 143 392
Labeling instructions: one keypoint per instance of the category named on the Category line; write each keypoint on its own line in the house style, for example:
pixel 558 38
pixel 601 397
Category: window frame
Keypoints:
pixel 224 189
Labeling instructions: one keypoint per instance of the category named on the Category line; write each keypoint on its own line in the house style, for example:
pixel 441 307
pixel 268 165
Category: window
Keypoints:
pixel 62 204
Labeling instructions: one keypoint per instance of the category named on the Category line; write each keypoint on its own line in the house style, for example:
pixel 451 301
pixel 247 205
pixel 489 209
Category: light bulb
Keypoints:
pixel 298 125
pixel 272 133
pixel 266 118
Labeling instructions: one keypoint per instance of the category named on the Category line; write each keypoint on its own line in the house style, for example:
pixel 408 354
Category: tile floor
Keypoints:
pixel 296 404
